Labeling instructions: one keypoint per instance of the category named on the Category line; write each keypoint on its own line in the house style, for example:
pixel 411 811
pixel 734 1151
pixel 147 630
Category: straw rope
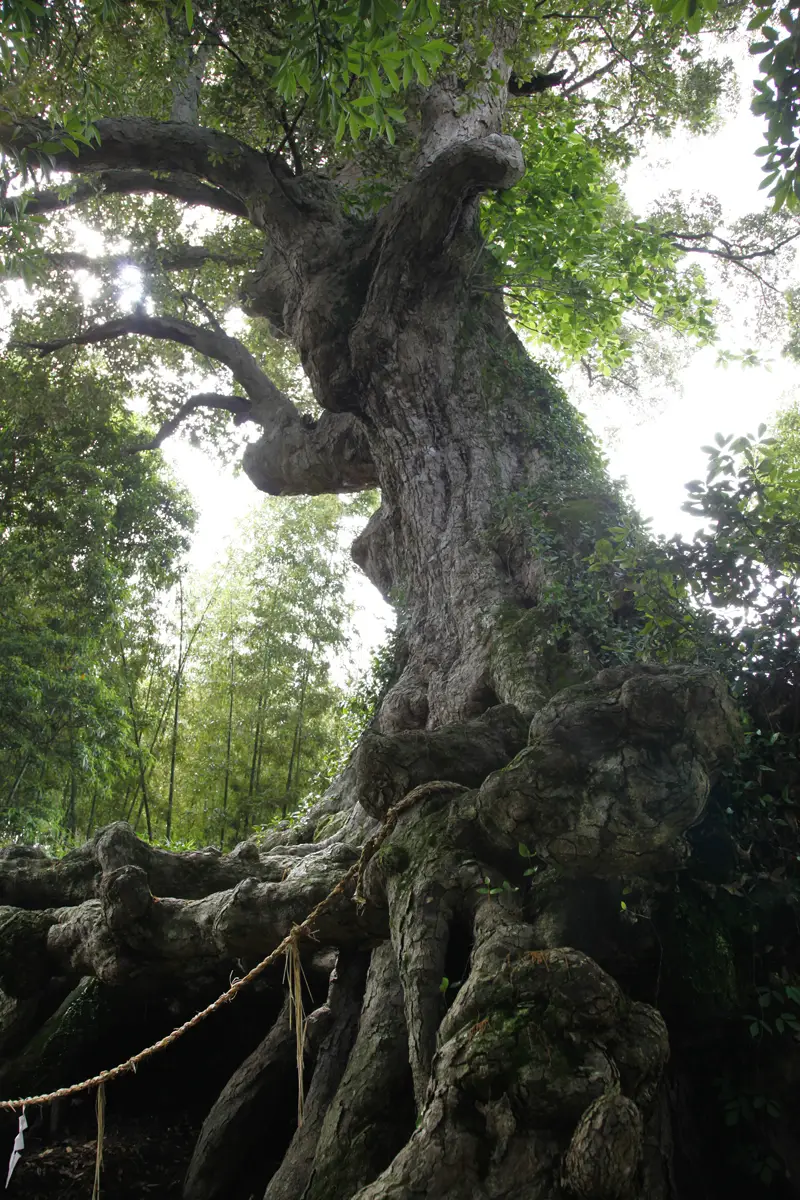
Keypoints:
pixel 355 872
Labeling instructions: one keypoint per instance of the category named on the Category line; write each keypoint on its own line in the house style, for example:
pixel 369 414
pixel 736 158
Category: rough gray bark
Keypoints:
pixel 541 1059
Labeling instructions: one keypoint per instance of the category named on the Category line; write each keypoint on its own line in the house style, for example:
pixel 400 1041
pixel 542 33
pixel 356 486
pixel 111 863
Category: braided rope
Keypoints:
pixel 355 872
pixel 132 1063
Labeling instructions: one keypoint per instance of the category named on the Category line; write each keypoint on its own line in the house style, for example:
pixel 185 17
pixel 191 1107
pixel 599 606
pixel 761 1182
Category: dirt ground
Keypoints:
pixel 142 1157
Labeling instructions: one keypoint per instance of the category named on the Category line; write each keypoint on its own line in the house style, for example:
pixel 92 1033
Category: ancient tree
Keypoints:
pixel 491 1026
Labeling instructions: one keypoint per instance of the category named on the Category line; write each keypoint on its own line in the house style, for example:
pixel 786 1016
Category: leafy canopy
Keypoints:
pixel 338 88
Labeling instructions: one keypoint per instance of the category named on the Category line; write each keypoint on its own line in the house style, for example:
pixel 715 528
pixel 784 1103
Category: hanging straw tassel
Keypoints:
pixel 297 1017
pixel 100 1107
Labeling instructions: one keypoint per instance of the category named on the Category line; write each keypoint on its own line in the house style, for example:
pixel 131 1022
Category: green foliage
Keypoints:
pixel 574 263
pixel 772 1004
pixel 88 531
pixel 776 32
pixel 730 594
pixel 351 59
pixel 694 13
pixel 777 99
pixel 318 85
pixel 261 723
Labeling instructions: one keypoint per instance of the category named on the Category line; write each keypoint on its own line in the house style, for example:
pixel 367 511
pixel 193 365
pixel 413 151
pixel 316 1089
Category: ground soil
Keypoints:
pixel 142 1157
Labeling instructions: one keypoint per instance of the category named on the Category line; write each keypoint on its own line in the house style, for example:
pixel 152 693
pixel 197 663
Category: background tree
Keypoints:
pixel 262 717
pixel 89 533
pixel 372 150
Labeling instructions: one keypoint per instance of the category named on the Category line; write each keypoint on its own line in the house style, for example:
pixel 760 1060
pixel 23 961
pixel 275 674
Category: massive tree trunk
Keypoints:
pixel 488 1033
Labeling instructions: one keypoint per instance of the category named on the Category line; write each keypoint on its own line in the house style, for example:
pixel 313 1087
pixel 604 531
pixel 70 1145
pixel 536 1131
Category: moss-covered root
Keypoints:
pixel 372 1115
pixel 540 1057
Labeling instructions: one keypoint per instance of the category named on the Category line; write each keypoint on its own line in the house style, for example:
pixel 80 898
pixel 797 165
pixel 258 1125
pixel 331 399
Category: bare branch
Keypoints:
pixel 265 397
pixel 126 183
pixel 188 258
pixel 289 139
pixel 725 248
pixel 140 144
pixel 233 404
pixel 296 455
pixel 572 88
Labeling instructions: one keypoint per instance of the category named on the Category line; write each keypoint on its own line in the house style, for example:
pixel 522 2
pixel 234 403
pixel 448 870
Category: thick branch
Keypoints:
pixel 296 455
pixel 537 84
pixel 265 397
pixel 306 457
pixel 139 144
pixel 449 115
pixel 425 214
pixel 128 183
pixel 188 83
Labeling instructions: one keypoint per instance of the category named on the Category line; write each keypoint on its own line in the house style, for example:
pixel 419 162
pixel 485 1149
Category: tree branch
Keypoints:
pixel 233 404
pixel 140 144
pixel 265 397
pixel 726 249
pixel 592 77
pixel 296 455
pixel 308 457
pixel 126 183
pixel 423 216
pixel 537 84
pixel 188 258
pixel 448 116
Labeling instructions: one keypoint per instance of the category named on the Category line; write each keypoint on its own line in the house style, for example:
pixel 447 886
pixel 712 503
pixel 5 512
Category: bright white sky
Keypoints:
pixel 657 452
pixel 661 452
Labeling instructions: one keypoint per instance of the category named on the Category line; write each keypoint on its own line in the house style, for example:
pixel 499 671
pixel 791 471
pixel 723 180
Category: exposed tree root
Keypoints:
pixel 540 1077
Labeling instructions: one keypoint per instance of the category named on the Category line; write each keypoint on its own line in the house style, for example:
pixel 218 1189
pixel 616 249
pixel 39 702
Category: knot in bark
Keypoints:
pixel 385 767
pixel 537 1042
pixel 616 770
pixel 245 852
pixel 603 1159
pixel 116 845
pixel 506 156
pixel 125 898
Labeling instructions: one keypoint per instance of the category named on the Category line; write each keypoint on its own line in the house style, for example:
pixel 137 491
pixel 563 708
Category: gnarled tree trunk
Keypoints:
pixel 487 1034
